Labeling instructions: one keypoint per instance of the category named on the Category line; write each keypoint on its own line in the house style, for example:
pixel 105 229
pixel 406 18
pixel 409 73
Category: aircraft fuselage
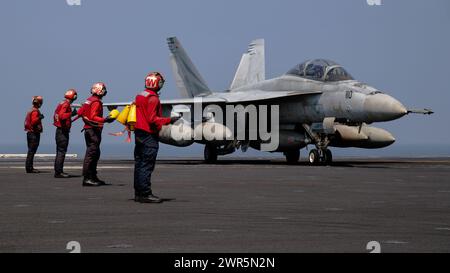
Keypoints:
pixel 347 101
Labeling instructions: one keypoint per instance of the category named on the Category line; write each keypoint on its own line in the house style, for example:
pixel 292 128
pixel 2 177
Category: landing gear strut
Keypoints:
pixel 213 150
pixel 320 155
pixel 292 157
pixel 210 153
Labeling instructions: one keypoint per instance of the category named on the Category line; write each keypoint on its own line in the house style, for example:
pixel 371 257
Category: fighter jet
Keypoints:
pixel 319 103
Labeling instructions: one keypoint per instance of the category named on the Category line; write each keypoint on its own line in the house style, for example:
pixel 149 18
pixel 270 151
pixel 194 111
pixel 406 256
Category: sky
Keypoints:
pixel 46 47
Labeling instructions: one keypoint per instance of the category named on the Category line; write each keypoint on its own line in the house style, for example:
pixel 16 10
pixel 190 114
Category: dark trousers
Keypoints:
pixel 33 140
pixel 145 153
pixel 62 142
pixel 93 138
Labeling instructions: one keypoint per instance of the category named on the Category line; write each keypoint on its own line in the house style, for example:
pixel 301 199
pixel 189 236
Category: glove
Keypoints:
pixel 109 119
pixel 41 116
pixel 174 119
pixel 74 112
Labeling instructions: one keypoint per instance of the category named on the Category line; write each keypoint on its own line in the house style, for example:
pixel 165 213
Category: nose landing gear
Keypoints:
pixel 321 155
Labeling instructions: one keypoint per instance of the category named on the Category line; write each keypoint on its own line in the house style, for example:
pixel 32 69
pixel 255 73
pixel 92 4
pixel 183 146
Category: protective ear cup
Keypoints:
pixel 161 80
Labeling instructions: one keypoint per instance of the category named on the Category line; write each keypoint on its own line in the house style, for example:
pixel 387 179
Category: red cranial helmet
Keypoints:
pixel 71 94
pixel 99 89
pixel 38 101
pixel 154 81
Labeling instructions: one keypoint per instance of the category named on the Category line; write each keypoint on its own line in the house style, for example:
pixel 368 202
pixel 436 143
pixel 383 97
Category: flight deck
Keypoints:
pixel 251 205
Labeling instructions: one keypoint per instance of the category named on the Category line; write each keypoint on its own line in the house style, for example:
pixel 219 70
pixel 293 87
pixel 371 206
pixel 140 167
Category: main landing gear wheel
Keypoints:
pixel 324 157
pixel 210 154
pixel 292 157
pixel 328 157
pixel 314 158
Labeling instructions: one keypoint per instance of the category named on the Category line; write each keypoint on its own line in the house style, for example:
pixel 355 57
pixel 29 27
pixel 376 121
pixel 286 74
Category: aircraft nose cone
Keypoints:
pixel 382 107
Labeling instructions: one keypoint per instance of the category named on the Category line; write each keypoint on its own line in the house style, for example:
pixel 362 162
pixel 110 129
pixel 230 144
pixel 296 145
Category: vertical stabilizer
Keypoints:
pixel 252 66
pixel 188 80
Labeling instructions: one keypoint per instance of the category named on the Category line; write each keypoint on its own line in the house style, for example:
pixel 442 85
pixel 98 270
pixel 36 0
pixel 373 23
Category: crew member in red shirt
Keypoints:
pixel 149 121
pixel 92 114
pixel 62 121
pixel 33 127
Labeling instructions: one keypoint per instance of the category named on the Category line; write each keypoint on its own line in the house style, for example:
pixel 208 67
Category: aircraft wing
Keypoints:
pixel 257 96
pixel 205 100
pixel 224 98
pixel 240 97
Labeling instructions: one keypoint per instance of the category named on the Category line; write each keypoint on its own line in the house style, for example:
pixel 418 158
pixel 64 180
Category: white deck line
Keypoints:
pixel 36 155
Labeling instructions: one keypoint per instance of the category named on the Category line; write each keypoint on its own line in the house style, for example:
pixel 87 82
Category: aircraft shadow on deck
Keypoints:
pixel 348 164
pixel 163 200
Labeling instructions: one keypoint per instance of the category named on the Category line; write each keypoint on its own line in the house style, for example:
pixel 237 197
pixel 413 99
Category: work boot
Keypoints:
pixel 88 182
pixel 147 199
pixel 100 182
pixel 62 175
pixel 33 171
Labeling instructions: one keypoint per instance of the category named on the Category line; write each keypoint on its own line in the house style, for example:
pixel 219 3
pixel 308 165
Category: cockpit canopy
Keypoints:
pixel 320 70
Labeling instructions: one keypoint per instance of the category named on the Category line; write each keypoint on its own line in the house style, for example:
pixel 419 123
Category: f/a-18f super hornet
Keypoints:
pixel 319 103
